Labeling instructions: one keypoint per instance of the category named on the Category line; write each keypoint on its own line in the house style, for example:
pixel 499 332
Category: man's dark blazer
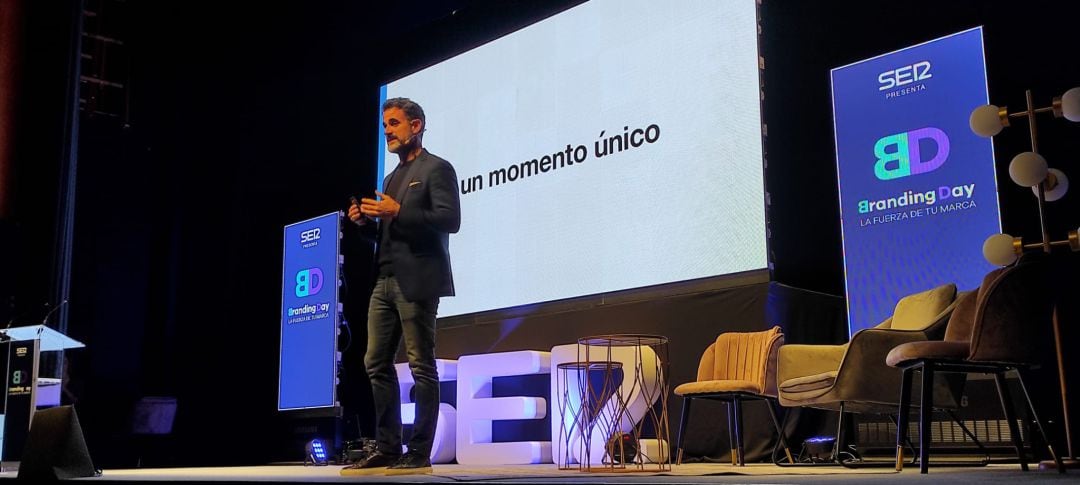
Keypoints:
pixel 420 234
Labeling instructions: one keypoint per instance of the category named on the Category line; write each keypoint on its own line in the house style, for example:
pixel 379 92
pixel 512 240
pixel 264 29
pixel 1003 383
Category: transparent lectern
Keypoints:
pixel 25 390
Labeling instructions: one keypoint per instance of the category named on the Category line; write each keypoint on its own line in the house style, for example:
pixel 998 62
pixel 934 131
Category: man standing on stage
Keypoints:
pixel 415 217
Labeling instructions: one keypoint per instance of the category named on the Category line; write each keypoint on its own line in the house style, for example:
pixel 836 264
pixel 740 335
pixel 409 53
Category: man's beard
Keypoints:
pixel 403 147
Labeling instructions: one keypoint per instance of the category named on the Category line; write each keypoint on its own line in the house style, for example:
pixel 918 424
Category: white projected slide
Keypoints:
pixel 615 145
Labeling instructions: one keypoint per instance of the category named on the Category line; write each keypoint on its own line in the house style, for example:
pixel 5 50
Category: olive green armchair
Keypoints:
pixel 854 377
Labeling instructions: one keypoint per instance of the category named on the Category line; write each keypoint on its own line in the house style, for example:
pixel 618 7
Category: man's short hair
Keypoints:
pixel 412 110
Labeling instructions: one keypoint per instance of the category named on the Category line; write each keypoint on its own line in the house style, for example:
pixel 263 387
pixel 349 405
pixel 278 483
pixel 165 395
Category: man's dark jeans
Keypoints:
pixel 391 316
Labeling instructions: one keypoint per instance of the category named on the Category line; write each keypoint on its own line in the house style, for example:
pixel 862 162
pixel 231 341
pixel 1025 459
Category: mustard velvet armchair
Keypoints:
pixel 737 367
pixel 1002 327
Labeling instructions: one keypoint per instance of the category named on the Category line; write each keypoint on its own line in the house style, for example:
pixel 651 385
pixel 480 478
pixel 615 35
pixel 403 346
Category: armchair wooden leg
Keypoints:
pixel 1010 416
pixel 908 445
pixel 926 410
pixel 682 426
pixel 902 418
pixel 1038 423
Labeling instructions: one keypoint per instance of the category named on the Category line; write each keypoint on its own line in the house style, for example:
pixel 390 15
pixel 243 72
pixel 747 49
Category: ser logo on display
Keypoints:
pixel 310 237
pixel 901 155
pixel 901 76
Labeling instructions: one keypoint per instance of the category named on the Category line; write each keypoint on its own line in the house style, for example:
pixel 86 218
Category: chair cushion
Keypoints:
pixel 917 311
pixel 801 360
pixel 709 387
pixel 808 387
pixel 934 349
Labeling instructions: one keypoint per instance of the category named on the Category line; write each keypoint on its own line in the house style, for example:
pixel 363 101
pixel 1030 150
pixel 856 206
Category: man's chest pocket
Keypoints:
pixel 415 191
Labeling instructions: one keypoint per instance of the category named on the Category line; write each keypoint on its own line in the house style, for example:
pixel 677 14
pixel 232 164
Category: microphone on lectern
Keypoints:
pixel 57 307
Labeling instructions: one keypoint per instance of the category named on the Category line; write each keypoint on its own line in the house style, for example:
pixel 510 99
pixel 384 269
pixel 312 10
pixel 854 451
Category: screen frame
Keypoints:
pixel 709 283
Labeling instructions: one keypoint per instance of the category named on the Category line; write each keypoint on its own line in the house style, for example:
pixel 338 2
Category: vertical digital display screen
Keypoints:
pixel 918 190
pixel 309 314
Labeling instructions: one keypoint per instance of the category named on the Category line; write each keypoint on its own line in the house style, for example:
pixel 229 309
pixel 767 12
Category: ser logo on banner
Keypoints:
pixel 901 76
pixel 900 155
pixel 308 282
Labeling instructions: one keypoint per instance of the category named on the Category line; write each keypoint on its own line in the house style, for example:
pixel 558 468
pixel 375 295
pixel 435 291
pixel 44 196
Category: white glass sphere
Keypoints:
pixel 998 250
pixel 985 121
pixel 1027 169
pixel 1059 190
pixel 1070 104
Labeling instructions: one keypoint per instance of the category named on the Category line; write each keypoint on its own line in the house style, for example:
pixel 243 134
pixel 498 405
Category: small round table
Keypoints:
pixel 579 392
pixel 626 401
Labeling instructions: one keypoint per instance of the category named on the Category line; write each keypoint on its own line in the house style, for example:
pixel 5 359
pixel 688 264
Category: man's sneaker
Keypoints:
pixel 373 464
pixel 411 463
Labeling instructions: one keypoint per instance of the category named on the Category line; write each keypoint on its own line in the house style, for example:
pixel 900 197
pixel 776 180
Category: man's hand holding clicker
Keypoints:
pixel 384 207
pixel 354 212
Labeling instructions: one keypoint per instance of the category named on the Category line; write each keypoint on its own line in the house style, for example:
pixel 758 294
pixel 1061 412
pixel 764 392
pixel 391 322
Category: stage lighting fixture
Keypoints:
pixel 818 447
pixel 315 453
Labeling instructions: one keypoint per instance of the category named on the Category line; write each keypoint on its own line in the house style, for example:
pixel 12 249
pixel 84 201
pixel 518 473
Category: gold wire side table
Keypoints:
pixel 624 402
pixel 582 395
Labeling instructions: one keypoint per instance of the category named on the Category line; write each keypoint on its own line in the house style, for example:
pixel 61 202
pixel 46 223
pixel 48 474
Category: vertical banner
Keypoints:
pixel 20 403
pixel 309 314
pixel 918 190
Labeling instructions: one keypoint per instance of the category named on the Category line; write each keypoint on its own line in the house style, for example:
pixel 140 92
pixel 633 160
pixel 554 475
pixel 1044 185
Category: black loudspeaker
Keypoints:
pixel 55 448
pixel 624 448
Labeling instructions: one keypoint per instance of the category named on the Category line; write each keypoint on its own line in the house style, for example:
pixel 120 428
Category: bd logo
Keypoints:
pixel 308 282
pixel 901 155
